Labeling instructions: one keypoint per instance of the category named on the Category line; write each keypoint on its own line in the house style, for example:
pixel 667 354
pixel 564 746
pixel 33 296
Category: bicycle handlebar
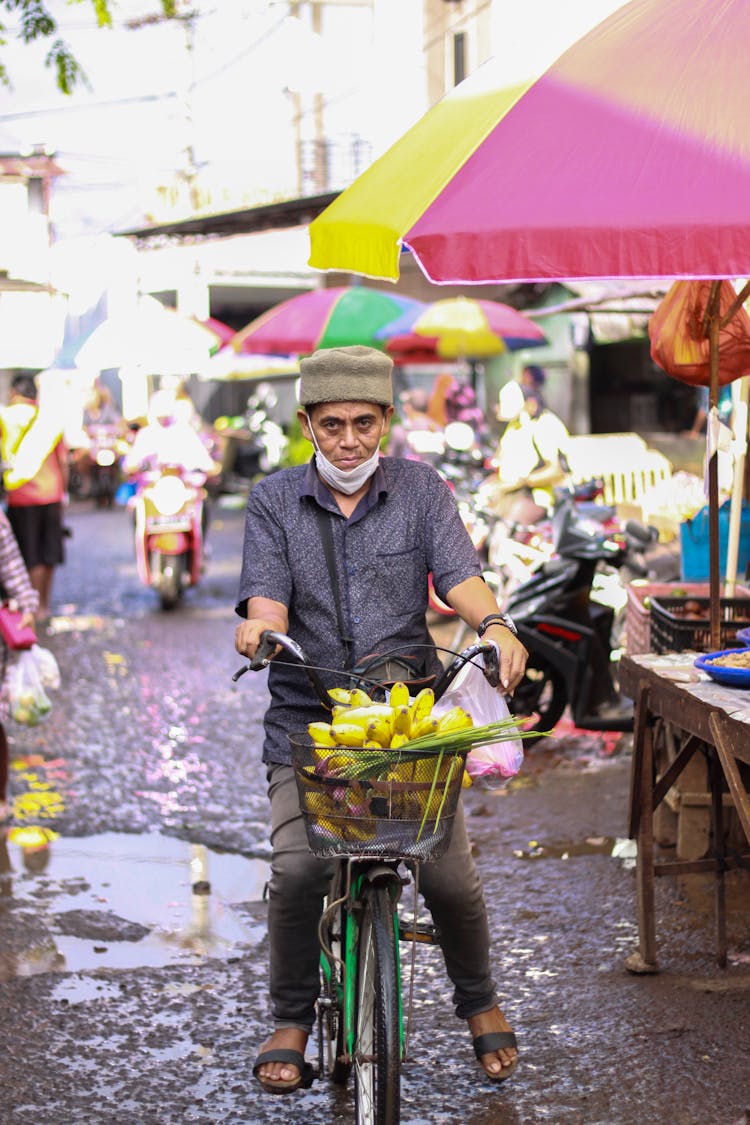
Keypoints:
pixel 491 658
pixel 270 641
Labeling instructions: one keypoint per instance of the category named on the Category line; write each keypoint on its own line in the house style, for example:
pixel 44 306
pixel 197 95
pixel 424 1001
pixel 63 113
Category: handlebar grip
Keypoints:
pixel 490 658
pixel 263 654
pixel 268 644
pixel 491 664
pixel 270 641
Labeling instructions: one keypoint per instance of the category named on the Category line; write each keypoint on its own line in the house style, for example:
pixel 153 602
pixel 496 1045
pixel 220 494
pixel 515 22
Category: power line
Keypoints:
pixel 89 107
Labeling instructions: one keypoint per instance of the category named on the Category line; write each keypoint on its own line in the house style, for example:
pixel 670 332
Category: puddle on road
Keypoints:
pixel 177 902
pixel 68 621
pixel 592 845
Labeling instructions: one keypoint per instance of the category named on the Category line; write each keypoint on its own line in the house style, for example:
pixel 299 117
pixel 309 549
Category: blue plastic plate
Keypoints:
pixel 724 673
pixel 743 636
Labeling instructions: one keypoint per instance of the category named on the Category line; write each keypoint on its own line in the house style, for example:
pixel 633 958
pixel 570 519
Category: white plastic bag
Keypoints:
pixel 49 672
pixel 29 702
pixel 488 766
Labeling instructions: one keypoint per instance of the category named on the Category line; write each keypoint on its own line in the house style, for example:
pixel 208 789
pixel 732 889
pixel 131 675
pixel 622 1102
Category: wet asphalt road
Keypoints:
pixel 126 999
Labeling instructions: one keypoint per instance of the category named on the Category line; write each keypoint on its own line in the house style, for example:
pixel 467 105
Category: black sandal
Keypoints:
pixel 496 1041
pixel 303 1081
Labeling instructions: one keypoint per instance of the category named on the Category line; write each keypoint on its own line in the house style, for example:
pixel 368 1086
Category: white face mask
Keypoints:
pixel 347 481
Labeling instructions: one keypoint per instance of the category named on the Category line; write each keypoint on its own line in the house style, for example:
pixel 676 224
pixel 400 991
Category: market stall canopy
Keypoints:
pixel 608 311
pixel 629 157
pixel 323 318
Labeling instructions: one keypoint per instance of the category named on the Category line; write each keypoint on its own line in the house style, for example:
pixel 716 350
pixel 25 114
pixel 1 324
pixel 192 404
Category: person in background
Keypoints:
pixel 99 412
pixel 392 520
pixel 169 439
pixel 35 461
pixel 19 592
pixel 531 457
pixel 533 377
pixel 184 407
pixel 100 409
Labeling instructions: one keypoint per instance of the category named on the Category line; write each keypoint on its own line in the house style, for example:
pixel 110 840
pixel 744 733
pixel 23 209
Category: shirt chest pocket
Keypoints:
pixel 400 579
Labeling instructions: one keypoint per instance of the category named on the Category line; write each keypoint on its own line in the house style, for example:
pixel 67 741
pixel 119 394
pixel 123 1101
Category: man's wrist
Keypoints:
pixel 503 620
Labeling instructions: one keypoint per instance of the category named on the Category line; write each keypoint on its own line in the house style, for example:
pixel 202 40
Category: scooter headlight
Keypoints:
pixel 105 458
pixel 168 495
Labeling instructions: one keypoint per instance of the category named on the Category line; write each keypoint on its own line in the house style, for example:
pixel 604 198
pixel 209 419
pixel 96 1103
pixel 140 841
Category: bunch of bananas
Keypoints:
pixel 357 722
pixel 354 757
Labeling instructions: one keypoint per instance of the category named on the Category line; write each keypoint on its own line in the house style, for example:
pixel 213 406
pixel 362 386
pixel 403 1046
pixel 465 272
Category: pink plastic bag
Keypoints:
pixel 489 767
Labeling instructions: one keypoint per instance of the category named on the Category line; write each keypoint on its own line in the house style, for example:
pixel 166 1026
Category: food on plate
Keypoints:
pixel 731 660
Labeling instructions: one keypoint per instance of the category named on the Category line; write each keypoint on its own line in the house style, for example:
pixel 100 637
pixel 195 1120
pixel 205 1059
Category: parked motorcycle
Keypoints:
pixel 169 527
pixel 568 634
pixel 511 552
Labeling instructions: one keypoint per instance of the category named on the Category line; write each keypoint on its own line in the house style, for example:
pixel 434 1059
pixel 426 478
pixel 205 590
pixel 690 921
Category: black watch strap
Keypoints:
pixel 496 619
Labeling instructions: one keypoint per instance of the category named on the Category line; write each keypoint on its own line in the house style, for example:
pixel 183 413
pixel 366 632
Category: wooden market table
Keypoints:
pixel 713 720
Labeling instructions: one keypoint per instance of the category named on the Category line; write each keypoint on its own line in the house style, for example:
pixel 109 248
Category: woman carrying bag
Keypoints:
pixel 17 589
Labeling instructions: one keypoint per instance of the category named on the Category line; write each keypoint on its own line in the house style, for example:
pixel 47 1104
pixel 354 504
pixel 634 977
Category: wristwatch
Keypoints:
pixel 497 619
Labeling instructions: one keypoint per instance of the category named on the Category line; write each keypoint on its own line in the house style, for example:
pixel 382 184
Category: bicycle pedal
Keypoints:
pixel 424 932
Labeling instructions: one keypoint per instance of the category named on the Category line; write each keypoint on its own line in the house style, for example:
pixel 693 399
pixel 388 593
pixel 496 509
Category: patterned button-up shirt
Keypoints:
pixel 405 527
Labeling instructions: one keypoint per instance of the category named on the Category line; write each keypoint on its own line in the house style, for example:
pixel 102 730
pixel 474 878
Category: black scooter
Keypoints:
pixel 567 635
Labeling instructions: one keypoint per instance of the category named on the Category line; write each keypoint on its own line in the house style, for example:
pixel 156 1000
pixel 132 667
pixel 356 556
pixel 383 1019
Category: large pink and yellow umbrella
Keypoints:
pixel 629 157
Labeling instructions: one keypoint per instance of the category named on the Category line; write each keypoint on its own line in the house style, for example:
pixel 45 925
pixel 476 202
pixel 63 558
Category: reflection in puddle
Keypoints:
pixel 120 901
pixel 80 623
pixel 592 845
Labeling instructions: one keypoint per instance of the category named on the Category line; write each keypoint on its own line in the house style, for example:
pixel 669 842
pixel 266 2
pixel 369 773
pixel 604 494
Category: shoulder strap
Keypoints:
pixel 324 525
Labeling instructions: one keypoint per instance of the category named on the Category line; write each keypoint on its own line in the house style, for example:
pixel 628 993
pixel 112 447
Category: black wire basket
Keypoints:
pixel 404 809
pixel 673 629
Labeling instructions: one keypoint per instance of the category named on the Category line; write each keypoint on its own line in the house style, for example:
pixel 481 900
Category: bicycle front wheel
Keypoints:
pixel 377 1051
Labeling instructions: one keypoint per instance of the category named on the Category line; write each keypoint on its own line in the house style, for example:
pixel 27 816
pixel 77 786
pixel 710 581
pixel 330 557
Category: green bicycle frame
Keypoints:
pixel 346 997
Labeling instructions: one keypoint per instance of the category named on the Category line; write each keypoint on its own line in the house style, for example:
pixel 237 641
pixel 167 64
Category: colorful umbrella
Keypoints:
pixel 323 318
pixel 629 157
pixel 222 332
pixel 460 328
pixel 150 336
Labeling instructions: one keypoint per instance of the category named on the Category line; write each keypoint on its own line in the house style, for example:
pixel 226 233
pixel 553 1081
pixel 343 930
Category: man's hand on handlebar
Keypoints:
pixel 262 615
pixel 513 656
pixel 247 635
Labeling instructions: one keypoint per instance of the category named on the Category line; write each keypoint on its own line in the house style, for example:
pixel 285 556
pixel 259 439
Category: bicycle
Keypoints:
pixel 371 827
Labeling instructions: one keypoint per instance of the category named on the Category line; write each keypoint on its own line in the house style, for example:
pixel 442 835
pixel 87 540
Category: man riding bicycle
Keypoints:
pixel 390 522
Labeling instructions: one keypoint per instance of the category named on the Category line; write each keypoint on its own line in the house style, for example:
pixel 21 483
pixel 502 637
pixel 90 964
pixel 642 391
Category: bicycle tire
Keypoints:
pixel 377 1051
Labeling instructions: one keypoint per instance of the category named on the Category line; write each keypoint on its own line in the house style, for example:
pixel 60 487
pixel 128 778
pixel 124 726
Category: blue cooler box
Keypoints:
pixel 694 543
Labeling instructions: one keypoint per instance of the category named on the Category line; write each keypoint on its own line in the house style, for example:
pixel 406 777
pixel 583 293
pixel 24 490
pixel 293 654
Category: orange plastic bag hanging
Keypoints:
pixel 678 345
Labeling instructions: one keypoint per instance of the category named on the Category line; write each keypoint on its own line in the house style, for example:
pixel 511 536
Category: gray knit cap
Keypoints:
pixel 354 374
